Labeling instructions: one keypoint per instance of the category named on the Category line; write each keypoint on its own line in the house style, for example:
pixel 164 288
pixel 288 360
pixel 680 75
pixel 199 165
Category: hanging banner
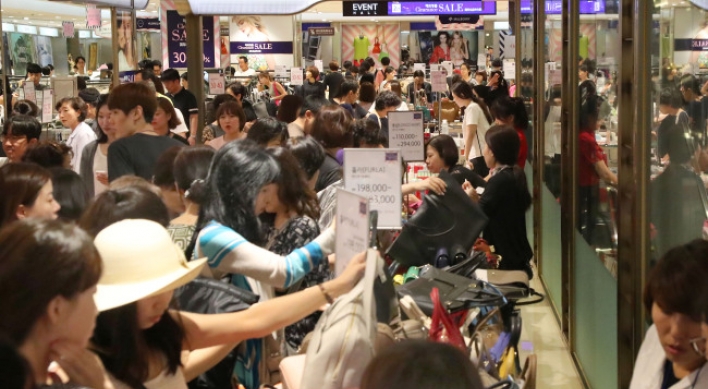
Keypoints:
pixel 264 40
pixel 177 40
pixel 67 29
pixel 147 24
pixel 93 17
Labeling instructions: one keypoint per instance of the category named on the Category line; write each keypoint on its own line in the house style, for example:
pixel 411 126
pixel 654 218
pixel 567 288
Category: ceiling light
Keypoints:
pixel 26 18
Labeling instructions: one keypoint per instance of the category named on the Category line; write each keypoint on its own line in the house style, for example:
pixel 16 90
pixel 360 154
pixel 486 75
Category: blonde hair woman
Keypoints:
pixel 458 50
pixel 251 29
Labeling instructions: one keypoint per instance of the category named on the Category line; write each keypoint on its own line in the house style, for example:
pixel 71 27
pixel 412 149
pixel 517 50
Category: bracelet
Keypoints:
pixel 326 295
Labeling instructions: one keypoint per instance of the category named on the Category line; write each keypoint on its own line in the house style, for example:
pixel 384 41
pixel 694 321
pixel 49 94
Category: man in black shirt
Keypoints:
pixel 139 146
pixel 183 100
pixel 333 80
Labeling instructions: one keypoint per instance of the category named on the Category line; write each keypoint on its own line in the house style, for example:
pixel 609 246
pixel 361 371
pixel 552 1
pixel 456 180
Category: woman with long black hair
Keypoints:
pixel 474 127
pixel 505 200
pixel 511 111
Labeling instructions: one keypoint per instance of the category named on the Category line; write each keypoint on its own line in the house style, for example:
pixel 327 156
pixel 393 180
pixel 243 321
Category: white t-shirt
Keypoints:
pixel 247 73
pixel 475 115
pixel 100 164
pixel 82 135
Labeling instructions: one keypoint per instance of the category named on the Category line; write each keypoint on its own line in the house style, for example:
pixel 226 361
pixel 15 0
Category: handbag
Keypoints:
pixel 444 327
pixel 514 284
pixel 479 165
pixel 456 292
pixel 451 222
pixel 343 341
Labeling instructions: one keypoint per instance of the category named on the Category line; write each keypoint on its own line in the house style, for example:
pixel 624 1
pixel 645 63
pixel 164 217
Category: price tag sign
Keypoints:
pixel 509 68
pixel 447 66
pixel 481 61
pixel 296 76
pixel 217 84
pixel 405 132
pixel 319 65
pixel 281 71
pixel 434 67
pixel 67 29
pixel 419 66
pixel 30 92
pixel 376 174
pixel 47 109
pixel 438 81
pixel 352 236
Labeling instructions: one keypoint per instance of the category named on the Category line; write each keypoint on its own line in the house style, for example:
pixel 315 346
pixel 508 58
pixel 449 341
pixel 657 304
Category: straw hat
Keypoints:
pixel 139 260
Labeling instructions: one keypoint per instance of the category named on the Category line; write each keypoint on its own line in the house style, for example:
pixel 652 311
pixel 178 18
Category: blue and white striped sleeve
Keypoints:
pixel 228 251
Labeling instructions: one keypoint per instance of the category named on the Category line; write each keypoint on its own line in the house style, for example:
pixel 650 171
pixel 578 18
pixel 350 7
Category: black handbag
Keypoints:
pixel 209 296
pixel 451 222
pixel 456 292
pixel 478 163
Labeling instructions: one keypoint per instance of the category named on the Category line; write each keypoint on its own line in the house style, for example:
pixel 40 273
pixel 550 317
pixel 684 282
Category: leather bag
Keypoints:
pixel 451 221
pixel 344 339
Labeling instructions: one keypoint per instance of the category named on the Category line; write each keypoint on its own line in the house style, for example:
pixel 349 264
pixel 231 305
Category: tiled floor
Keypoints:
pixel 541 335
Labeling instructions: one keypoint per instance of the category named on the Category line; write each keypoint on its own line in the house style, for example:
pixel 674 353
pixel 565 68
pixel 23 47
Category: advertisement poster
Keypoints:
pixel 371 40
pixel 23 52
pixel 264 40
pixel 127 55
pixel 434 47
pixel 177 40
pixel 43 44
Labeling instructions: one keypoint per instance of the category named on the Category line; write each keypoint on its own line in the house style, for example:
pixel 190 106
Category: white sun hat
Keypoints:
pixel 139 260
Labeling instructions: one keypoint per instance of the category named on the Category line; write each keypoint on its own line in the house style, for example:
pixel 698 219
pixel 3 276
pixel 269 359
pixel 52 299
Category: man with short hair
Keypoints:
pixel 157 67
pixel 138 146
pixel 417 85
pixel 333 80
pixel 303 124
pixel 34 76
pixel 243 70
pixel 386 102
pixel 349 93
pixel 17 137
pixel 183 100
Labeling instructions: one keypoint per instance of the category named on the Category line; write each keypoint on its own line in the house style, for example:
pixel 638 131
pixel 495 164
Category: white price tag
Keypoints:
pixel 319 65
pixel 296 76
pixel 217 84
pixel 481 61
pixel 448 67
pixel 281 71
pixel 376 174
pixel 509 69
pixel 30 92
pixel 510 43
pixel 405 132
pixel 47 109
pixel 438 81
pixel 419 66
pixel 434 67
pixel 352 236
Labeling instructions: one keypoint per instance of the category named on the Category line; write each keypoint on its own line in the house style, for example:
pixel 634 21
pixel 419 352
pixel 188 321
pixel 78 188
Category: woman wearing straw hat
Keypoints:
pixel 137 338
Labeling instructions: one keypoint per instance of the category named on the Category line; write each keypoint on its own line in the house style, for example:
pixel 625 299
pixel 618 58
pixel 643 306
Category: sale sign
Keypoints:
pixel 177 40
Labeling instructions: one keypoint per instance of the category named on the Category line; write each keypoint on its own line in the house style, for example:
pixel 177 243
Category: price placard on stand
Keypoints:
pixel 217 84
pixel 30 92
pixel 296 76
pixel 47 108
pixel 419 66
pixel 376 174
pixel 438 81
pixel 319 65
pixel 509 68
pixel 352 236
pixel 405 132
pixel 281 71
pixel 448 67
pixel 434 67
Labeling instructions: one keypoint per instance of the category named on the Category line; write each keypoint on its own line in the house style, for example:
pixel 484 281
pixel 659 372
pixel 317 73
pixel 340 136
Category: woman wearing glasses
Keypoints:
pixel 672 355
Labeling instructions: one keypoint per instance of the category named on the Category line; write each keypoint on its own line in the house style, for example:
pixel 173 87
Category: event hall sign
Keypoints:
pixel 177 40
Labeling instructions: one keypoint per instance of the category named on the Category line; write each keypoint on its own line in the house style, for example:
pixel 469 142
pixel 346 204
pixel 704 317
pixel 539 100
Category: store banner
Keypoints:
pixel 261 47
pixel 690 44
pixel 93 17
pixel 177 40
pixel 321 31
pixel 147 24
pixel 23 52
pixel 264 40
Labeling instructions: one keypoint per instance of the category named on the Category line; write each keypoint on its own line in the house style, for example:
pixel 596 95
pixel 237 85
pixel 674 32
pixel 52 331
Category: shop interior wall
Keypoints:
pixel 154 42
pixel 59 55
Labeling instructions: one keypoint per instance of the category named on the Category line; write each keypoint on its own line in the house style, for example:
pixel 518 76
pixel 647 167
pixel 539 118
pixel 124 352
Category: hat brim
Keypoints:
pixel 114 296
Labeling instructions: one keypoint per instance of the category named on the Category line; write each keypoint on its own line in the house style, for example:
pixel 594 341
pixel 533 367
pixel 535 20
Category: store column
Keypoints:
pixel 195 65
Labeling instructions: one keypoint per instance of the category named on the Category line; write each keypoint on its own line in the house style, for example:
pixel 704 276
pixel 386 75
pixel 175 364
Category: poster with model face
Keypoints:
pixel 43 44
pixel 434 47
pixel 23 52
pixel 264 40
pixel 127 55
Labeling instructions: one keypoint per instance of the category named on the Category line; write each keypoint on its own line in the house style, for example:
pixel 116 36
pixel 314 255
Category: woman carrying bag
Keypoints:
pixel 475 125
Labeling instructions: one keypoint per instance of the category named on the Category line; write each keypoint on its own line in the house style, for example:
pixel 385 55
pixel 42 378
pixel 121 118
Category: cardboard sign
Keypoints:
pixel 405 132
pixel 438 81
pixel 296 76
pixel 47 108
pixel 217 84
pixel 376 174
pixel 352 236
